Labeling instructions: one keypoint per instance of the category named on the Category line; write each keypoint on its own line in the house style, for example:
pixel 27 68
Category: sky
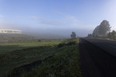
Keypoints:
pixel 59 17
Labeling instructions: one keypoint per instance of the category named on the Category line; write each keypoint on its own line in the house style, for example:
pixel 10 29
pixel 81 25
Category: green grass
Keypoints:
pixel 65 62
pixel 18 46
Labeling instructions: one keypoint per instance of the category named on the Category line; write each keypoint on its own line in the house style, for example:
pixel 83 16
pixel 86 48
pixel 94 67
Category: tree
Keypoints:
pixel 104 27
pixel 96 31
pixel 73 35
pixel 109 35
pixel 96 36
pixel 93 35
pixel 89 35
pixel 113 34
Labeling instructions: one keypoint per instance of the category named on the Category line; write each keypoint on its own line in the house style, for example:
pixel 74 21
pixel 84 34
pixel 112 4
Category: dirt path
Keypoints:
pixel 95 62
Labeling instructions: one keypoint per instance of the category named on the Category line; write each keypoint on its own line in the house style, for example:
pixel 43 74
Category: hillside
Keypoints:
pixel 16 38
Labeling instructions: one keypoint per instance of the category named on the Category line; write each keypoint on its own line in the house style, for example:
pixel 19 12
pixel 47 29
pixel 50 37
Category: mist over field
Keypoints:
pixel 57 17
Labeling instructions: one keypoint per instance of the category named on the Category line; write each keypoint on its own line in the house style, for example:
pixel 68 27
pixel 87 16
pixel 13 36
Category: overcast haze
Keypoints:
pixel 59 17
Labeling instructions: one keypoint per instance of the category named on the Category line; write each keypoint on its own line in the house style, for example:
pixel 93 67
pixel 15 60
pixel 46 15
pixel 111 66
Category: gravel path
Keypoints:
pixel 96 62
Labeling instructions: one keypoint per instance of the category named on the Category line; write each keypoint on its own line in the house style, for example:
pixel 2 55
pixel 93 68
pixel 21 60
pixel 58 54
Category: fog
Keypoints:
pixel 57 18
pixel 61 32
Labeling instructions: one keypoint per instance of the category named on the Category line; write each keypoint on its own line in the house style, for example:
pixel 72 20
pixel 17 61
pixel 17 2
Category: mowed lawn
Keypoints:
pixel 64 63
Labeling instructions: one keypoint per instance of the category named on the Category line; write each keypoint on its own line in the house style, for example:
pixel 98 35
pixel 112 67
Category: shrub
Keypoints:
pixel 67 43
pixel 61 45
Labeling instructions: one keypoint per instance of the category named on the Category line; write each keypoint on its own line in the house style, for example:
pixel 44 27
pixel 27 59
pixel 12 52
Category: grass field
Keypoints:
pixel 64 63
pixel 17 46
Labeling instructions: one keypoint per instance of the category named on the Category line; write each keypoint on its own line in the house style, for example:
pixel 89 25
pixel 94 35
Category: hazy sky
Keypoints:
pixel 57 16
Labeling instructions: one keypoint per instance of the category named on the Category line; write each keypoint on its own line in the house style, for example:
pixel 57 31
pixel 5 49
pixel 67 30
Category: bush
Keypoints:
pixel 67 44
pixel 39 40
pixel 61 45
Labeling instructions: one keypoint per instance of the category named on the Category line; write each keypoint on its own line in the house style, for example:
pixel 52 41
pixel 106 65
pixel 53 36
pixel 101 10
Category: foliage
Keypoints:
pixel 102 29
pixel 96 31
pixel 61 45
pixel 93 35
pixel 70 42
pixel 39 40
pixel 89 35
pixel 73 35
pixel 112 35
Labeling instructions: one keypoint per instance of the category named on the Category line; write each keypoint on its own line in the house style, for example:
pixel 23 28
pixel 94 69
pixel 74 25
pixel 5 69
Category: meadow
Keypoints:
pixel 64 60
pixel 18 46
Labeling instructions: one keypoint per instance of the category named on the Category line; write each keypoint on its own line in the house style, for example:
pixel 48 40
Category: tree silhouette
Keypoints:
pixel 73 35
pixel 104 27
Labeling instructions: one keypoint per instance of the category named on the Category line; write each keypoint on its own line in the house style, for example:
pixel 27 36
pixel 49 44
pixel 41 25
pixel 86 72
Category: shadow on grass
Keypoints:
pixel 26 68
